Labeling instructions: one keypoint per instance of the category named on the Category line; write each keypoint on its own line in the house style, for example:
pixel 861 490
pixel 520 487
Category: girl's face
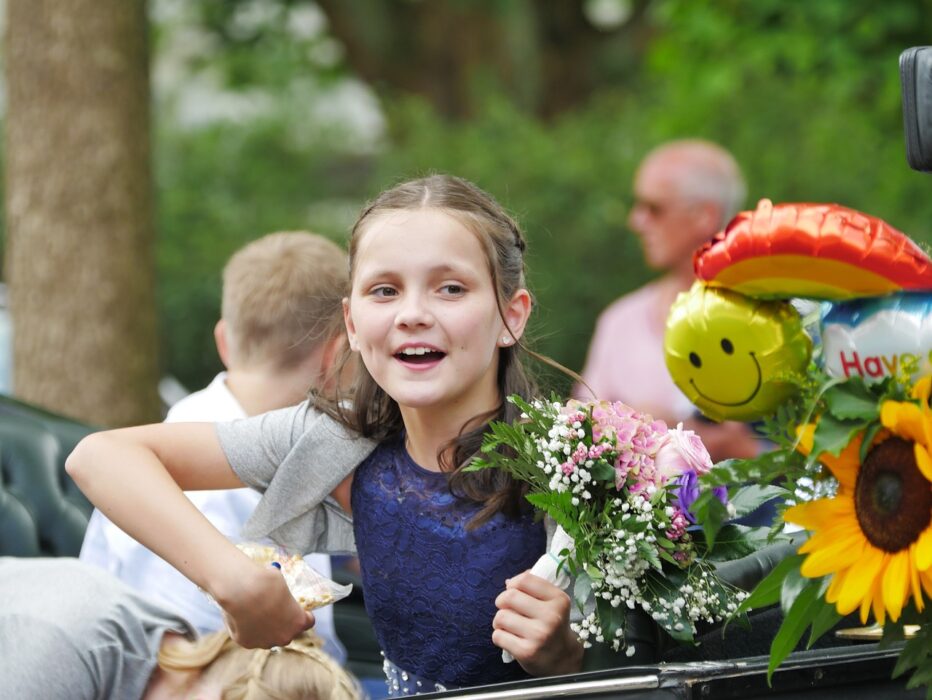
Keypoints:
pixel 422 313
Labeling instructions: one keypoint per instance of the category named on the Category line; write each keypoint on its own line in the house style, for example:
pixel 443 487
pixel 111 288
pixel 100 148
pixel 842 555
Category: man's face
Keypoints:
pixel 669 225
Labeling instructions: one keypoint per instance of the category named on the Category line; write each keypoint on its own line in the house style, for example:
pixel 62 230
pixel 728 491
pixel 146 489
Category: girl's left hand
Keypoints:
pixel 533 625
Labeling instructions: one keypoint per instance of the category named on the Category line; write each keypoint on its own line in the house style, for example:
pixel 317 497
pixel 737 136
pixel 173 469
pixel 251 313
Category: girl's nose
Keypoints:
pixel 414 311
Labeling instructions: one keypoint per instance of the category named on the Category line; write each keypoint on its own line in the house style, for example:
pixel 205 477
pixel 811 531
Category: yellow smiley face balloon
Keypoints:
pixel 730 354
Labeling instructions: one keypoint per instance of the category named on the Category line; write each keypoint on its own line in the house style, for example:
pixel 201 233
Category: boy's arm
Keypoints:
pixel 135 476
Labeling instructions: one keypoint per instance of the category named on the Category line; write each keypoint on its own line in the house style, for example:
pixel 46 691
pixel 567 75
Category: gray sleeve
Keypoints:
pixel 296 457
pixel 256 446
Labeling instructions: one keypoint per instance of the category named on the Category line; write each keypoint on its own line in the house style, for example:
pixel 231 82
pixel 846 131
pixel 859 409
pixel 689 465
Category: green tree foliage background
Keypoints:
pixel 805 94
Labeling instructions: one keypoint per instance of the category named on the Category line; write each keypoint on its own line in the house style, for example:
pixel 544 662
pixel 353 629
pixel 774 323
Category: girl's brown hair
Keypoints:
pixel 374 414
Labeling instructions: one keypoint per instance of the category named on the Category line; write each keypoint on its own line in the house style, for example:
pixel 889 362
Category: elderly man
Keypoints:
pixel 684 193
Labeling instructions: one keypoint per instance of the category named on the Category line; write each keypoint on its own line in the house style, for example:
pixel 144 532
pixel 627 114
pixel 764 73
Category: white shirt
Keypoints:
pixel 108 547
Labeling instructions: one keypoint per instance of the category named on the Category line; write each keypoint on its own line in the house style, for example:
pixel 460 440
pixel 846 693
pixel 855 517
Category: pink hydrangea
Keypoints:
pixel 636 438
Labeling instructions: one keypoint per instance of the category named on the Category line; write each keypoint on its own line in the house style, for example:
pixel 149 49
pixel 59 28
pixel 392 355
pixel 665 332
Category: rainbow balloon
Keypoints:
pixel 820 251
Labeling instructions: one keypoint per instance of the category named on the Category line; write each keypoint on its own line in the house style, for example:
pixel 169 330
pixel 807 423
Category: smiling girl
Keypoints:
pixel 437 308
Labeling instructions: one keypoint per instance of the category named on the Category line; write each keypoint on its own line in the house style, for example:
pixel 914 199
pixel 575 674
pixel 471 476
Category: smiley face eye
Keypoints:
pixel 694 360
pixel 727 346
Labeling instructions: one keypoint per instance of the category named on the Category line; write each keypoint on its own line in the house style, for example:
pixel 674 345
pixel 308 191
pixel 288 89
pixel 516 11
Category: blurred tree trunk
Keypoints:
pixel 80 257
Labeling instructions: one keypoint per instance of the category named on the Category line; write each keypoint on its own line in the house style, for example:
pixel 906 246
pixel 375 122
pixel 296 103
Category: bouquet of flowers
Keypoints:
pixel 624 491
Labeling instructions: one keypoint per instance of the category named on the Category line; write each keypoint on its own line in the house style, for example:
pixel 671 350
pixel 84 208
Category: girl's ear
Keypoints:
pixel 350 326
pixel 516 312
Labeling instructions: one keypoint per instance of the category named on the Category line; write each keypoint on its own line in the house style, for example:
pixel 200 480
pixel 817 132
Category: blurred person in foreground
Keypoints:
pixel 69 631
pixel 684 193
pixel 280 332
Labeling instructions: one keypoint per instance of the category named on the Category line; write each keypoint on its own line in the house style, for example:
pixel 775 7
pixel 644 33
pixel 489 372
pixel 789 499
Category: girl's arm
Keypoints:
pixel 533 625
pixel 135 476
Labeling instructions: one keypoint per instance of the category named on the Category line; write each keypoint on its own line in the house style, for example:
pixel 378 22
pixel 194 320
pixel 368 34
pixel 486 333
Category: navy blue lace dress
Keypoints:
pixel 430 583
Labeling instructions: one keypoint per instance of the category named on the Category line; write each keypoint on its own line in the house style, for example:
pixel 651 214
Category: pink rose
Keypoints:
pixel 682 452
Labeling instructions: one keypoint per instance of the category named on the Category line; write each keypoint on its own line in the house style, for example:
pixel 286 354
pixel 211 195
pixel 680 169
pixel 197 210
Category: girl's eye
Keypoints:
pixel 383 292
pixel 453 289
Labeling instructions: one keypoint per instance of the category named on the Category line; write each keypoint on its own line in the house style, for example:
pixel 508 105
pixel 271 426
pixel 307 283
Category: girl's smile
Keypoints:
pixel 423 313
pixel 419 355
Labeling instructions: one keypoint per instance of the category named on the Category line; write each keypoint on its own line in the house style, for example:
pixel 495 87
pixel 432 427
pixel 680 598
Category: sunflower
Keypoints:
pixel 875 535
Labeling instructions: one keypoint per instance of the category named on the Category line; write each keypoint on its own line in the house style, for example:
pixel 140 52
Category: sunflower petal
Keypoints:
pixel 814 515
pixel 924 550
pixel 896 583
pixel 835 586
pixel 866 605
pixel 828 539
pixel 923 389
pixel 845 466
pixel 860 581
pixel 925 578
pixel 841 529
pixel 836 557
pixel 914 584
pixel 880 614
pixel 805 435
pixel 890 413
pixel 923 461
pixel 908 422
pixel 927 426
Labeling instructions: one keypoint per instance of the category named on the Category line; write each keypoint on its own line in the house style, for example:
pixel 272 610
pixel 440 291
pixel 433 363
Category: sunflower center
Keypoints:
pixel 892 498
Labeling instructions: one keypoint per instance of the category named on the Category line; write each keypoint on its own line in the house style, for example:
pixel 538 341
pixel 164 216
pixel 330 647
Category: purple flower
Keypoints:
pixel 686 491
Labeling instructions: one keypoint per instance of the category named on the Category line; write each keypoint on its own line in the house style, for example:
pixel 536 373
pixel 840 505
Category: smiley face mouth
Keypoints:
pixel 736 403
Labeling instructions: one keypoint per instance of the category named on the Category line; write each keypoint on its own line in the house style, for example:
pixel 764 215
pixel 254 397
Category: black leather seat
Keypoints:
pixel 42 511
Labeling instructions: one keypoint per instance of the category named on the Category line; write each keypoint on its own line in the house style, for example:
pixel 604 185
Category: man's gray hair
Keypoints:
pixel 706 173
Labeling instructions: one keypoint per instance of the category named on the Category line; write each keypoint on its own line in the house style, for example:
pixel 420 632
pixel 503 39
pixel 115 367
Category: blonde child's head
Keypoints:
pixel 299 671
pixel 282 298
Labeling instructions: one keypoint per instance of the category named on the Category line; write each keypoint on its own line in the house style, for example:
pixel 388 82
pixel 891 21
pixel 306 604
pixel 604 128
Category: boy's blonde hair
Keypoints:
pixel 302 670
pixel 282 296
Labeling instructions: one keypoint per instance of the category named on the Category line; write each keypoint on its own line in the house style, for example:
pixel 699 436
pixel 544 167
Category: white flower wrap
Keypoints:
pixel 550 567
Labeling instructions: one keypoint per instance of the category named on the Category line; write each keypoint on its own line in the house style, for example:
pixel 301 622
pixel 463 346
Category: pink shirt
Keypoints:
pixel 626 358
